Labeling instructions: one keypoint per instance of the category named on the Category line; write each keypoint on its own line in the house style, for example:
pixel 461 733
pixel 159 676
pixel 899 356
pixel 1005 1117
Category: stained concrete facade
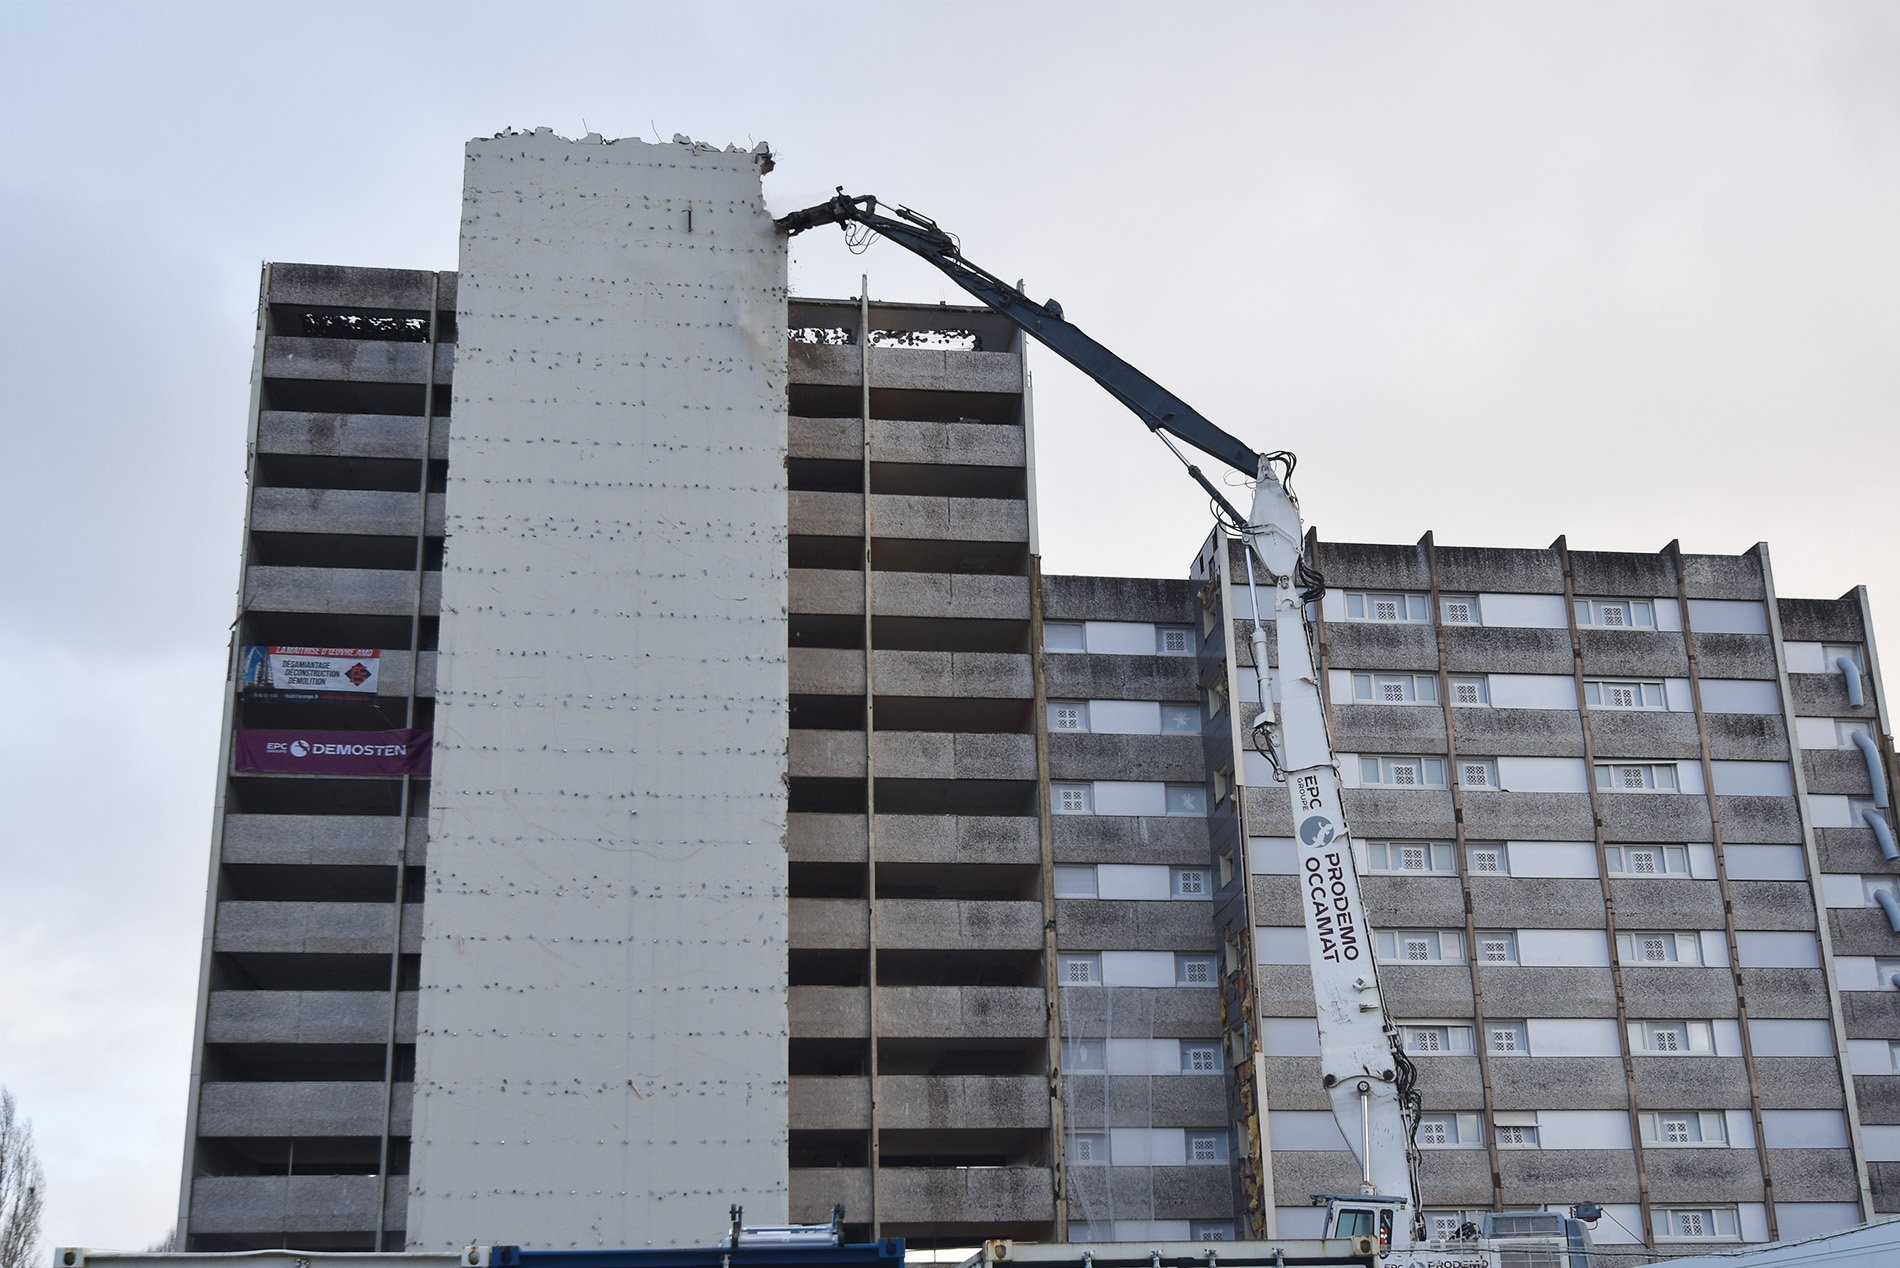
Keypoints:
pixel 1011 884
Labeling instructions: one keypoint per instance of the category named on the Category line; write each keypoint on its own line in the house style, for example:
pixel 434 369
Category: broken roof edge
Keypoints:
pixel 760 154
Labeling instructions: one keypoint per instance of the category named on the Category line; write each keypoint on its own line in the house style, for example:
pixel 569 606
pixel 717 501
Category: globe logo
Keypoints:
pixel 298 748
pixel 1317 830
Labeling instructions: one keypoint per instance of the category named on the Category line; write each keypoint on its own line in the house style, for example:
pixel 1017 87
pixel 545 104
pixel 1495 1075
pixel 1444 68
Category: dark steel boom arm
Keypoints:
pixel 1159 408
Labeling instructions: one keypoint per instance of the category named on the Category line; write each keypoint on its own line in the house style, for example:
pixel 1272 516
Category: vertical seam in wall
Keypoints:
pixel 1478 1016
pixel 1045 839
pixel 1883 738
pixel 1824 928
pixel 1674 552
pixel 870 748
pixel 1609 899
pixel 1268 1223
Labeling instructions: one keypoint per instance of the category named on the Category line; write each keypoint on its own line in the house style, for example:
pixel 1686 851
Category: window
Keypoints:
pixel 1449 1131
pixel 1459 609
pixel 1831 652
pixel 1064 636
pixel 1207 1231
pixel 1189 882
pixel 1072 799
pixel 1395 688
pixel 1492 858
pixel 1603 693
pixel 1647 860
pixel 1200 1056
pixel 1659 948
pixel 1431 1040
pixel 1499 946
pixel 1088 1147
pixel 1365 606
pixel 1871 885
pixel 1893 1055
pixel 1683 1129
pixel 1194 970
pixel 1887 974
pixel 1636 776
pixel 1403 772
pixel 1226 867
pixel 1467 689
pixel 1412 857
pixel 1617 614
pixel 1671 1038
pixel 1079 969
pixel 1206 1147
pixel 1517 1135
pixel 1068 715
pixel 1422 946
pixel 1174 640
pixel 1697 1222
pixel 1506 1038
pixel 1187 799
pixel 1075 880
pixel 1846 729
pixel 1479 772
pixel 1080 1056
pixel 1180 719
pixel 1443 1226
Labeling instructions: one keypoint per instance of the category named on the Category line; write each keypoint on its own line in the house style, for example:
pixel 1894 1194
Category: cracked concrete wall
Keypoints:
pixel 602 1024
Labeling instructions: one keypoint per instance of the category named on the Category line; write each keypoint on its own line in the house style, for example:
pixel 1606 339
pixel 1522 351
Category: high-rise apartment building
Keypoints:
pixel 658 777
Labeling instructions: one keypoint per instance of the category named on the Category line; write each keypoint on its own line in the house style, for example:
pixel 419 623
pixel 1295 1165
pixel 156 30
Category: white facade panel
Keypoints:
pixel 1121 638
pixel 1740 695
pixel 1769 949
pixel 1583 1129
pixel 1864 1056
pixel 1753 1218
pixel 1843 889
pixel 1882 1143
pixel 1831 810
pixel 1714 944
pixel 1257 772
pixel 1131 880
pixel 1533 691
pixel 1574 1037
pixel 1797 1220
pixel 1804 1129
pixel 1295 1037
pixel 1561 947
pixel 1130 797
pixel 1305 1222
pixel 1525 611
pixel 1806 658
pixel 1308 1129
pixel 1142 1056
pixel 1553 859
pixel 1741 1128
pixel 1544 774
pixel 1138 968
pixel 1125 717
pixel 1727 1033
pixel 1728 616
pixel 573 810
pixel 1817 733
pixel 1147 1147
pixel 1765 862
pixel 1753 779
pixel 1280 944
pixel 1790 1037
pixel 1275 856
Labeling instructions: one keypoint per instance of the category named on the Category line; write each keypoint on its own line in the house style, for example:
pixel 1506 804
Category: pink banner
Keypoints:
pixel 334 752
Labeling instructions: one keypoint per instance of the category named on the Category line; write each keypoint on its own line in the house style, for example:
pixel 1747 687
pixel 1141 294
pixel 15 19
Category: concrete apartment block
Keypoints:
pixel 991 930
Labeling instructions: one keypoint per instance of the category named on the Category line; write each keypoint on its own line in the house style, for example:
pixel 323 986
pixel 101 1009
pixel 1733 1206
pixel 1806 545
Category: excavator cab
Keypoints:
pixel 1353 1216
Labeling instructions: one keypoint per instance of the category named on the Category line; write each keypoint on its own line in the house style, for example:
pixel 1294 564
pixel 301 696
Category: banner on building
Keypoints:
pixel 402 752
pixel 308 673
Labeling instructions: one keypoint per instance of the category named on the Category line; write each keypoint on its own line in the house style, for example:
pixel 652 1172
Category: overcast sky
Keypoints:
pixel 1626 272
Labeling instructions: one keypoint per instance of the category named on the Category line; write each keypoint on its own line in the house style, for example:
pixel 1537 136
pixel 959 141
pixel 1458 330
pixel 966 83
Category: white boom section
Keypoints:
pixel 1355 1043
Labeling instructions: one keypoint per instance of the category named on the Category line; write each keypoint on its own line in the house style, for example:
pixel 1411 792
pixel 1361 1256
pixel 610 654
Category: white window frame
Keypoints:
pixel 1068 717
pixel 1420 946
pixel 1435 858
pixel 1079 968
pixel 1202 1147
pixel 1479 772
pixel 1381 688
pixel 1477 686
pixel 1692 1038
pixel 1507 1038
pixel 1448 604
pixel 1617 614
pixel 1071 798
pixel 1449 1039
pixel 1495 946
pixel 1076 880
pixel 1488 858
pixel 1369 605
pixel 1450 1130
pixel 1210 1231
pixel 1711 1224
pixel 1515 1135
pixel 1201 1056
pixel 1658 948
pixel 1632 694
pixel 1192 883
pixel 1657 777
pixel 1381 771
pixel 1699 1129
pixel 1180 719
pixel 1626 860
pixel 1174 640
pixel 1084 1056
pixel 1069 637
pixel 1186 964
pixel 1089 1148
pixel 1831 652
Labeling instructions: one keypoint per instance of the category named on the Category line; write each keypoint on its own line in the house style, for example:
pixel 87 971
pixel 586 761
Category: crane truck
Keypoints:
pixel 1363 1066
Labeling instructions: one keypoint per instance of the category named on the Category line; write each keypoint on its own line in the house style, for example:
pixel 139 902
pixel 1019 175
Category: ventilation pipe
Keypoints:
pixel 1876 776
pixel 1882 833
pixel 1850 674
pixel 1891 905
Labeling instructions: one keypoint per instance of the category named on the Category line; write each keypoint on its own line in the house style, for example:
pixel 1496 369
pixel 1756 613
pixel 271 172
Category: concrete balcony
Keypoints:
pixel 301 1109
pixel 349 435
pixel 1177 758
pixel 958 596
pixel 829 671
pixel 966 1195
pixel 355 360
pixel 897 440
pixel 350 286
pixel 916 924
pixel 901 516
pixel 281 1205
pixel 917 1102
pixel 815 1189
pixel 914 755
pixel 919 1012
pixel 356 591
pixel 916 369
pixel 939 839
pixel 1094 924
pixel 360 512
pixel 316 840
pixel 308 1017
pixel 315 928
